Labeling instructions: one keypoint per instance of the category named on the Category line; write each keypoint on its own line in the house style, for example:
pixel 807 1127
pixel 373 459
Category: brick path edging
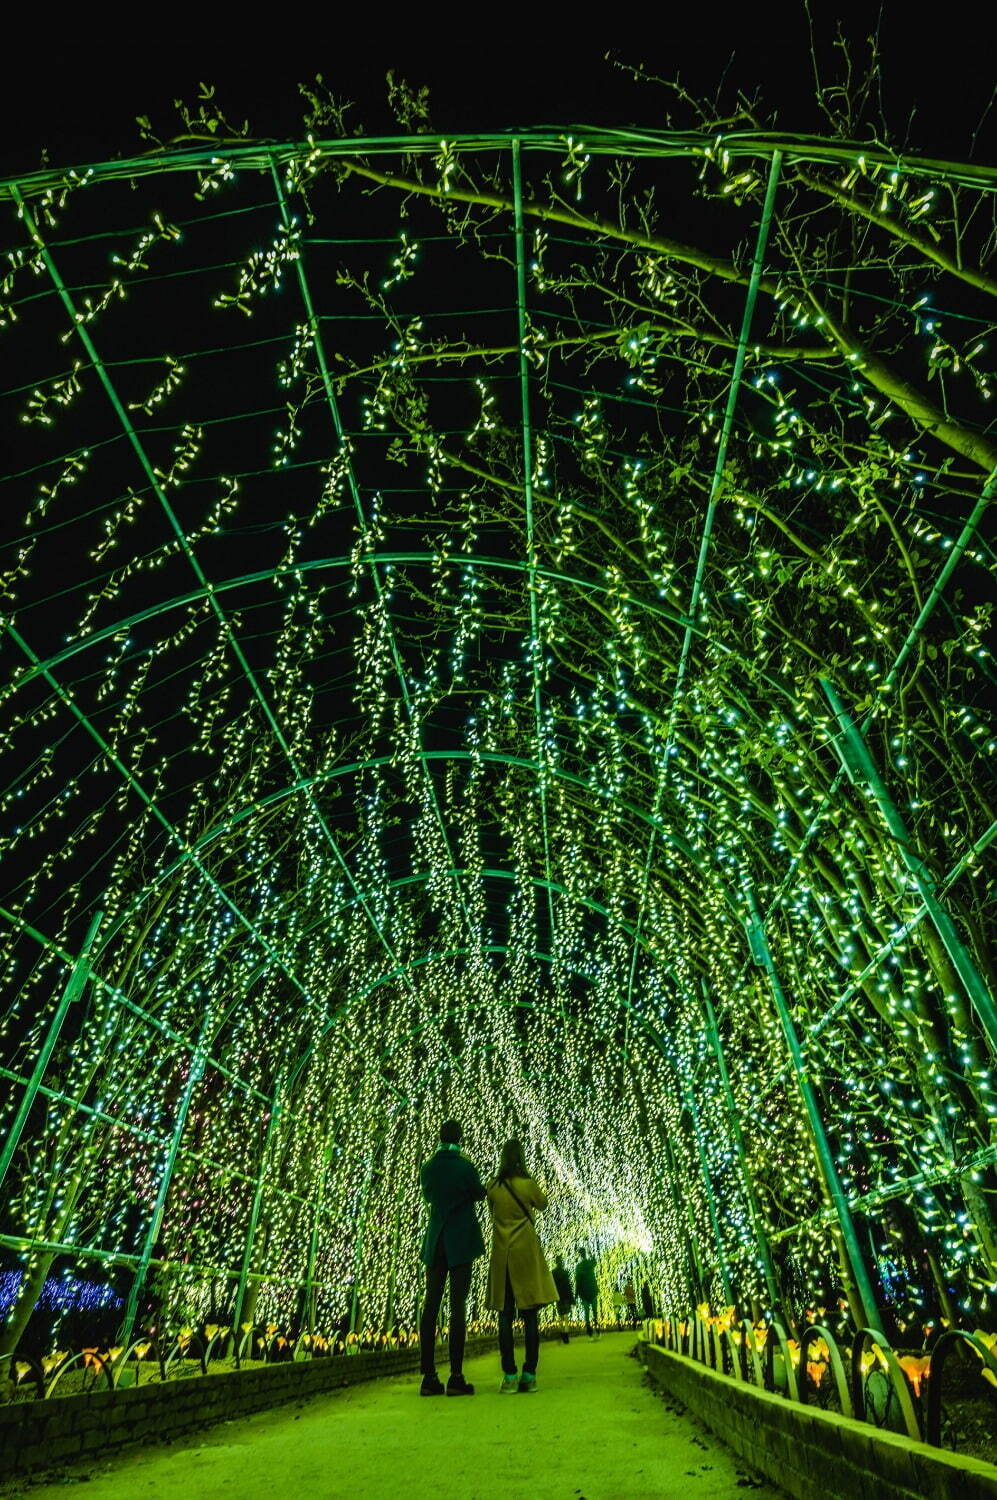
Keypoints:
pixel 810 1452
pixel 42 1434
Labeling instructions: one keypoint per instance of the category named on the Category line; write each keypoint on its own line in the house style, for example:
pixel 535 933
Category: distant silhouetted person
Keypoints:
pixel 630 1298
pixel 518 1276
pixel 451 1244
pixel 565 1294
pixel 646 1300
pixel 619 1308
pixel 587 1290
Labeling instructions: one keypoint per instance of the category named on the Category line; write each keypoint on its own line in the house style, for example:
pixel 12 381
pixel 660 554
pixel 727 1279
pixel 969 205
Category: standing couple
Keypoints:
pixel 518 1277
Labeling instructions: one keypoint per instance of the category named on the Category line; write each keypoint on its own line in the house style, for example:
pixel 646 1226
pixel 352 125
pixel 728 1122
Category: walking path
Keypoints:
pixel 592 1431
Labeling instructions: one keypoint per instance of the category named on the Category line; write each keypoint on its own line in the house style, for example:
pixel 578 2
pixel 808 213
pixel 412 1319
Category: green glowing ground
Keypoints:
pixel 591 1430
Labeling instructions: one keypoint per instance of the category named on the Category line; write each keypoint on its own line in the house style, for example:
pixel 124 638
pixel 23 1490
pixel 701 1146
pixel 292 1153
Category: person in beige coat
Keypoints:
pixel 518 1276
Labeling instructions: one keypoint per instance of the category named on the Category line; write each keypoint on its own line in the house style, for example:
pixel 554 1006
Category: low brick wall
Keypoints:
pixel 809 1452
pixel 41 1434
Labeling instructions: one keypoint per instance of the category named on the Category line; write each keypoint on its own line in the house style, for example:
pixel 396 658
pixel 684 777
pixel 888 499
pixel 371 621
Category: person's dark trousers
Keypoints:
pixel 564 1312
pixel 460 1285
pixel 590 1317
pixel 531 1333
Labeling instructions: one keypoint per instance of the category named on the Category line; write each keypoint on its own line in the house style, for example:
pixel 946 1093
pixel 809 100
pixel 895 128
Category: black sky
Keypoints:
pixel 74 88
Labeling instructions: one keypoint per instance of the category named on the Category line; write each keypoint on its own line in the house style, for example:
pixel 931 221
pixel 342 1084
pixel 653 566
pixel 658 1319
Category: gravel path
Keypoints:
pixel 592 1431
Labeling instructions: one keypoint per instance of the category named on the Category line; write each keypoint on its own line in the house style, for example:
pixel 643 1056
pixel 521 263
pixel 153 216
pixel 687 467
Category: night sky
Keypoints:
pixel 77 88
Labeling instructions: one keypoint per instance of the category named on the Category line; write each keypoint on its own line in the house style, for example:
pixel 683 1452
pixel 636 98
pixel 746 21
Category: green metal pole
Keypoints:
pixel 761 1243
pixel 858 762
pixel 763 957
pixel 711 1202
pixel 313 1249
pixel 155 1222
pixel 531 548
pixel 152 478
pixel 710 1199
pixel 378 582
pixel 719 467
pixel 74 988
pixel 768 209
pixel 358 1243
pixel 955 556
pixel 254 1215
pixel 393 1277
pixel 695 1266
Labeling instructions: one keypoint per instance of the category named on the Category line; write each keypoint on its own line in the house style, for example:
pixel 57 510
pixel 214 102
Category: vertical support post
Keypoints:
pixel 952 560
pixel 763 957
pixel 754 281
pixel 156 1219
pixel 704 1167
pixel 351 477
pixel 761 1243
pixel 313 1249
pixel 531 551
pixel 737 373
pixel 254 1214
pixel 361 1230
pixel 393 1274
pixel 858 762
pixel 693 1248
pixel 79 974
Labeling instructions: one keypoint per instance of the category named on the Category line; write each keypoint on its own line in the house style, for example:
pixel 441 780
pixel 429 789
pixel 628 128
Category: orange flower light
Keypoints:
pixel 917 1368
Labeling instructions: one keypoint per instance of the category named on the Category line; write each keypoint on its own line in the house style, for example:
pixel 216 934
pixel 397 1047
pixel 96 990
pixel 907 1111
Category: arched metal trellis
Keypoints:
pixel 472 645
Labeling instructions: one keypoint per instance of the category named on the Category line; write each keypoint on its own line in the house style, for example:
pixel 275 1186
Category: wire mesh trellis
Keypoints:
pixel 498 626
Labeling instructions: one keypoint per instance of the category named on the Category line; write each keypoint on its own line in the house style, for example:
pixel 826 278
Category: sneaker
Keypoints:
pixel 458 1386
pixel 527 1382
pixel 432 1385
pixel 509 1383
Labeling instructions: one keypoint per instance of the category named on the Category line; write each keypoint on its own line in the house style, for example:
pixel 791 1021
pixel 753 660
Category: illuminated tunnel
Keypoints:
pixel 496 627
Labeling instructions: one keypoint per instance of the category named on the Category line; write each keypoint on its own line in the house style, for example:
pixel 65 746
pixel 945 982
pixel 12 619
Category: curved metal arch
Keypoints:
pixel 509 875
pixel 625 1005
pixel 494 872
pixel 420 962
pixel 596 140
pixel 492 757
pixel 393 559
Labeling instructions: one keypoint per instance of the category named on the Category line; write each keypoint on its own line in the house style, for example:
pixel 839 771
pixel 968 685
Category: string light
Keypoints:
pixel 488 859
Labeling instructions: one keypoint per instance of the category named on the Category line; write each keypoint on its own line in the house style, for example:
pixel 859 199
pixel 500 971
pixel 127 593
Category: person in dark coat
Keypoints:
pixel 565 1294
pixel 451 1244
pixel 587 1290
